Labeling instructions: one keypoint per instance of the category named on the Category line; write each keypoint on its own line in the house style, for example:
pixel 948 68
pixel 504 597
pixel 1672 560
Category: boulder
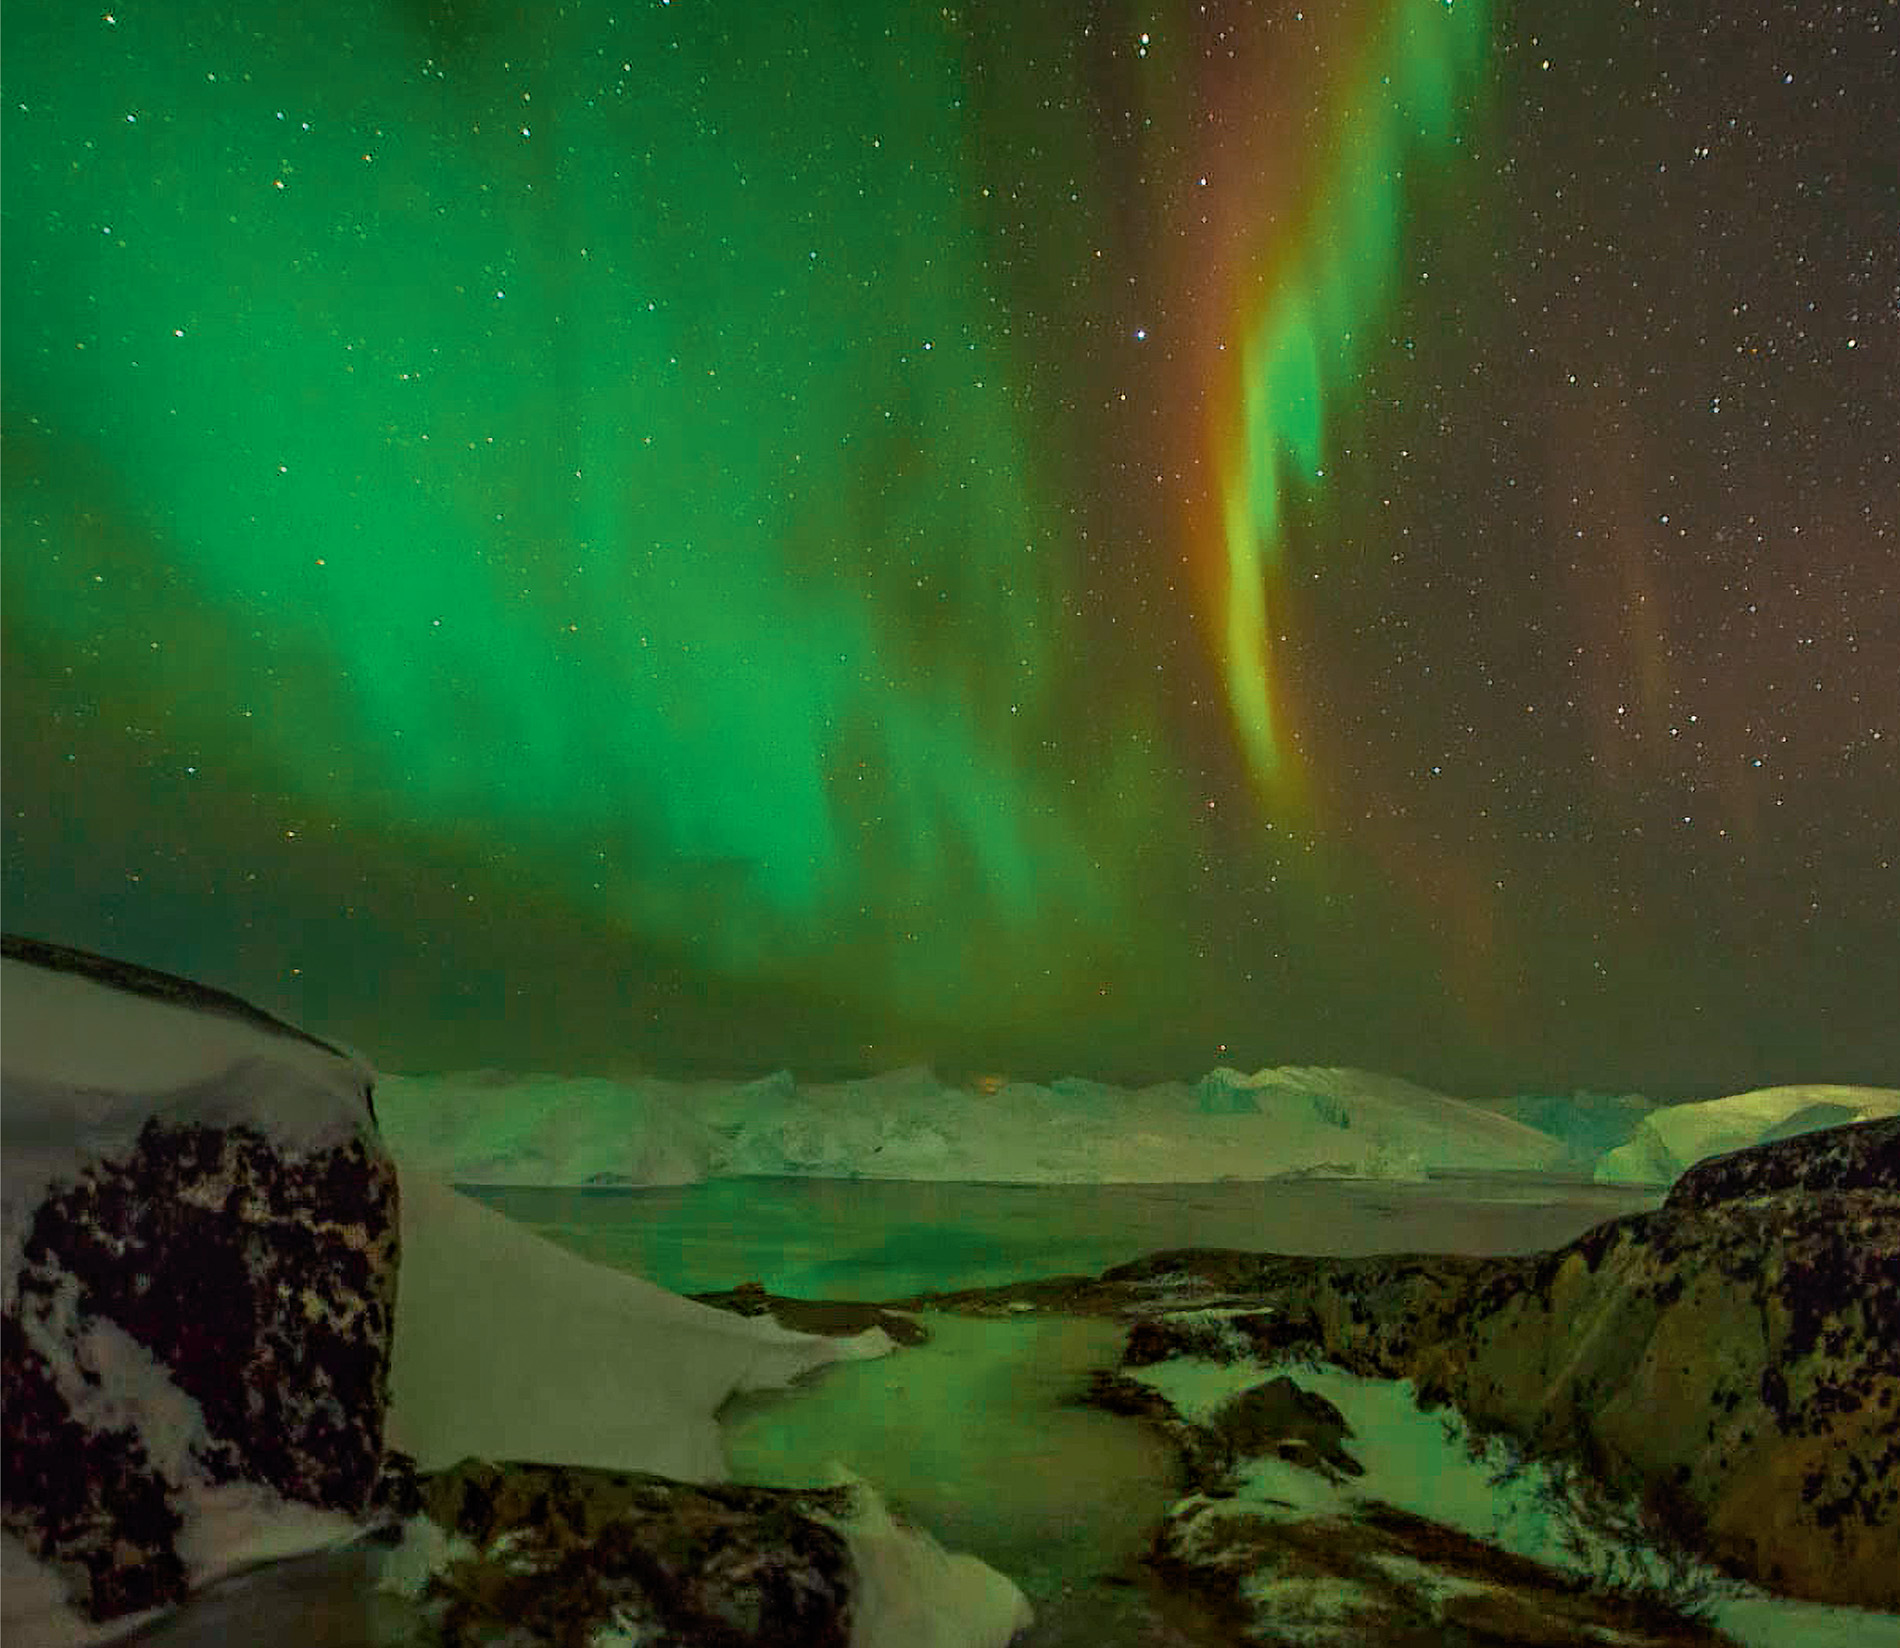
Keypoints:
pixel 1838 1160
pixel 199 1270
pixel 553 1554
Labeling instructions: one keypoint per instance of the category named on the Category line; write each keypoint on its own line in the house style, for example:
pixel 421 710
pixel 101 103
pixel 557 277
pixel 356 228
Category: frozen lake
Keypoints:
pixel 887 1239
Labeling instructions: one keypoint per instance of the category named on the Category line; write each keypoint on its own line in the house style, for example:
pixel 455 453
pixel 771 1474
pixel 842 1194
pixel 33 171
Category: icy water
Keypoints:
pixel 977 1435
pixel 887 1239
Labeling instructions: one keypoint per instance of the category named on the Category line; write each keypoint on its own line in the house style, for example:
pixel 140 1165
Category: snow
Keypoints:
pixel 488 1128
pixel 1669 1141
pixel 508 1347
pixel 33 1606
pixel 912 1593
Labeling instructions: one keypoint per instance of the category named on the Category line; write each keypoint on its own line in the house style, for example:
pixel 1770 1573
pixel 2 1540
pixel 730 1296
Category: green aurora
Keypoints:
pixel 576 458
pixel 613 533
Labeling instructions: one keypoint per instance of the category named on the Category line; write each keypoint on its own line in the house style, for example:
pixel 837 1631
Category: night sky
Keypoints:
pixel 1053 538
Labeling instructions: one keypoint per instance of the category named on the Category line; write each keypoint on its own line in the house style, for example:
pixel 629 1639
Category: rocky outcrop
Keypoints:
pixel 249 1294
pixel 1331 1564
pixel 563 1555
pixel 1732 1360
pixel 1832 1162
pixel 1383 1575
pixel 1729 1361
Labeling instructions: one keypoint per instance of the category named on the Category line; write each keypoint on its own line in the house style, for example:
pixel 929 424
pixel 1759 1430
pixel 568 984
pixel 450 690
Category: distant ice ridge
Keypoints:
pixel 495 1127
pixel 489 1127
pixel 1668 1142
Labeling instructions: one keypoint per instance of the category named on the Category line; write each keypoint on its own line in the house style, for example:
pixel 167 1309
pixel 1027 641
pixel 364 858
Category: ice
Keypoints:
pixel 490 1127
pixel 486 1128
pixel 977 1432
pixel 1669 1141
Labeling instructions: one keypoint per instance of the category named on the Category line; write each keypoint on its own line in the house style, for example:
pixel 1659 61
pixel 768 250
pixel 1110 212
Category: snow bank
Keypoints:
pixel 906 1124
pixel 912 1593
pixel 508 1347
pixel 1670 1141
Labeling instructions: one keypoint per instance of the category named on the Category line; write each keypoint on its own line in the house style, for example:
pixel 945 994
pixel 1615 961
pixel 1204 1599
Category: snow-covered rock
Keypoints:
pixel 541 1553
pixel 207 1350
pixel 1670 1140
pixel 199 1278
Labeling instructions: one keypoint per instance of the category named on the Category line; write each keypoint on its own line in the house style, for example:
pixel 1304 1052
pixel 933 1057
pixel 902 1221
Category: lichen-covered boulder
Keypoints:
pixel 1863 1157
pixel 199 1280
pixel 1734 1358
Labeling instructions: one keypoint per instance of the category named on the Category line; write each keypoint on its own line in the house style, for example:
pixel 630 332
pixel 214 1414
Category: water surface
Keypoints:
pixel 887 1239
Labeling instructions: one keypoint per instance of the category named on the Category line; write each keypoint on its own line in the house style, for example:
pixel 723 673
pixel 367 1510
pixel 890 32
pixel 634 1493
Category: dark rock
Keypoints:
pixel 831 1318
pixel 262 1286
pixel 1861 1156
pixel 397 1490
pixel 1279 1417
pixel 562 1554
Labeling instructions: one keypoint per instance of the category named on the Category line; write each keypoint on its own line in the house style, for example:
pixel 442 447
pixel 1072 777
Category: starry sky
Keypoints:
pixel 1084 537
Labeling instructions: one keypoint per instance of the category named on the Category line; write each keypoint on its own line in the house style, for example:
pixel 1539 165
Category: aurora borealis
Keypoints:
pixel 1082 538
